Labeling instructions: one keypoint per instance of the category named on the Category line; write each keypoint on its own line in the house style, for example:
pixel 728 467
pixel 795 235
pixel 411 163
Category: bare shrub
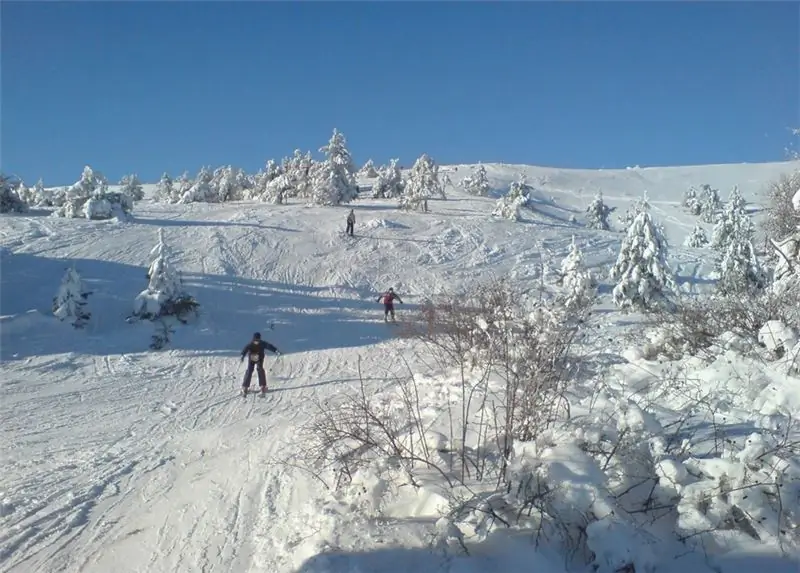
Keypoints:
pixel 697 323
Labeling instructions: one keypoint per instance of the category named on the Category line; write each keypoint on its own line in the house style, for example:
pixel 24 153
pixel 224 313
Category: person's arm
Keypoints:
pixel 271 347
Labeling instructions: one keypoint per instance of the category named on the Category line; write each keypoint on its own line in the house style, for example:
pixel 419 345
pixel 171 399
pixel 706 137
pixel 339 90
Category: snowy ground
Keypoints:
pixel 119 458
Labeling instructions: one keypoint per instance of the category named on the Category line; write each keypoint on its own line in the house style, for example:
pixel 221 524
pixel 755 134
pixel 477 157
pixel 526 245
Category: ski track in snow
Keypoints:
pixel 117 458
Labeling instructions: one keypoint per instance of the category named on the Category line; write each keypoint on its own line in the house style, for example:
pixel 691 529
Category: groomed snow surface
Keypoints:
pixel 120 458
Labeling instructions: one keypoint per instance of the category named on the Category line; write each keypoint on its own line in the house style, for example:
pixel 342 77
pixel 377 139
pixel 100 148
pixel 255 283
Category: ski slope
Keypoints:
pixel 120 458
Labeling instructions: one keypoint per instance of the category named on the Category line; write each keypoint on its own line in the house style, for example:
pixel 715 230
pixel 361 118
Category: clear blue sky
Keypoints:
pixel 149 87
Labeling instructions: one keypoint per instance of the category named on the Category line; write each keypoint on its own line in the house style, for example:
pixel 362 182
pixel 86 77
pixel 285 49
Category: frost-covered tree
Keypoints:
pixel 298 170
pixel 131 186
pixel 597 213
pixel 477 183
pixel 390 182
pixel 422 184
pixel 224 183
pixel 709 203
pixel 510 205
pixel 643 276
pixel 42 197
pixel 165 190
pixel 737 265
pixel 89 197
pixel 691 202
pixel 333 179
pixel 786 275
pixel 697 238
pixel 165 294
pixel 575 279
pixel 10 201
pixel 70 302
pixel 201 190
pixel 368 171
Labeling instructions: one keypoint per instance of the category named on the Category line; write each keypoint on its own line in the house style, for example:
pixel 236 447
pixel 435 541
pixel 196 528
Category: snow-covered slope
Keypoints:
pixel 120 458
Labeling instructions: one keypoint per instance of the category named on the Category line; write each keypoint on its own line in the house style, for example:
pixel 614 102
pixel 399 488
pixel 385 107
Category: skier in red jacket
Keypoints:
pixel 388 303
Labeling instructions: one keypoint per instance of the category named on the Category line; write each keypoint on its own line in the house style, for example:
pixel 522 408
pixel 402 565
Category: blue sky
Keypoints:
pixel 149 87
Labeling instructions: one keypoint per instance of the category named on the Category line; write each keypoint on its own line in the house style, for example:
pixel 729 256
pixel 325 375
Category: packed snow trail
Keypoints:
pixel 119 458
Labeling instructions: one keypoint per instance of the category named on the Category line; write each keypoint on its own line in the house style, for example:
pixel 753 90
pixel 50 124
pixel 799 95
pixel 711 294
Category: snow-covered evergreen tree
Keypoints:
pixel 390 182
pixel 132 187
pixel 575 279
pixel 643 276
pixel 165 294
pixel 732 216
pixel 42 197
pixel 422 184
pixel 691 202
pixel 709 203
pixel 333 179
pixel 368 171
pixel 597 213
pixel 510 205
pixel 70 302
pixel 201 190
pixel 225 185
pixel 299 169
pixel 737 265
pixel 165 190
pixel 697 238
pixel 89 197
pixel 10 201
pixel 477 183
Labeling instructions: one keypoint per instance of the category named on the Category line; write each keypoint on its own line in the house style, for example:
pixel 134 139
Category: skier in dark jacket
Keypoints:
pixel 351 223
pixel 255 351
pixel 388 303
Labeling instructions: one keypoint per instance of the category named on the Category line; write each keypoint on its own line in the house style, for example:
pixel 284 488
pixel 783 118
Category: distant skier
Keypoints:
pixel 388 304
pixel 255 351
pixel 351 223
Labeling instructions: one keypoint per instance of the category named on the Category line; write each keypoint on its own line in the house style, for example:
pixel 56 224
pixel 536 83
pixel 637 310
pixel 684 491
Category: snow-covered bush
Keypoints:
pixel 165 294
pixel 368 171
pixel 132 187
pixel 510 205
pixel 697 238
pixel 422 184
pixel 10 201
pixel 70 302
pixel 390 182
pixel 575 279
pixel 477 183
pixel 643 276
pixel 333 179
pixel 597 213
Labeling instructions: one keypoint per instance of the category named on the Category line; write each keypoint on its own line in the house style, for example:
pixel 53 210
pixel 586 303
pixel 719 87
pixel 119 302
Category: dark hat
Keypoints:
pixel 257 336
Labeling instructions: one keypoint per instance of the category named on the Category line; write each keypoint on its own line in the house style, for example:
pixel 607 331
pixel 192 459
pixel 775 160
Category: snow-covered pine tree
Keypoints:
pixel 333 179
pixel 368 171
pixel 390 182
pixel 164 188
pixel 691 202
pixel 132 187
pixel 165 294
pixel 643 276
pixel 42 197
pixel 201 190
pixel 422 184
pixel 225 186
pixel 697 238
pixel 575 279
pixel 597 213
pixel 731 216
pixel 70 301
pixel 737 265
pixel 510 205
pixel 477 183
pixel 709 203
pixel 10 201
pixel 298 170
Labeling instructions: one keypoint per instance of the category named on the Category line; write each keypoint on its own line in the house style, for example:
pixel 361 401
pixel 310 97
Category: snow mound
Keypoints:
pixel 383 224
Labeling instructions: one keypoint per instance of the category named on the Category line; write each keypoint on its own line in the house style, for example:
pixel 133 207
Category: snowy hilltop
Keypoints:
pixel 590 370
